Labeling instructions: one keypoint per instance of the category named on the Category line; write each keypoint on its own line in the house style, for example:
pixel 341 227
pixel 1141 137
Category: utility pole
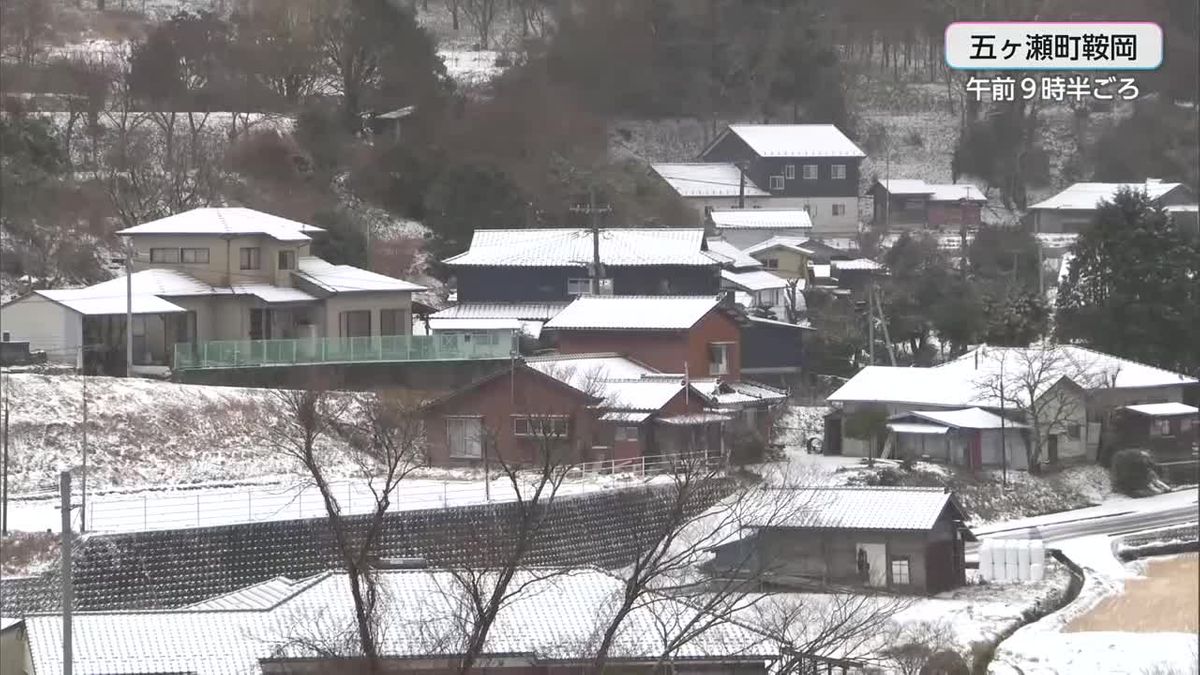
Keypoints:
pixel 83 474
pixel 594 211
pixel 741 165
pixel 887 339
pixel 4 478
pixel 68 584
pixel 962 231
pixel 1003 440
pixel 128 310
pixel 871 322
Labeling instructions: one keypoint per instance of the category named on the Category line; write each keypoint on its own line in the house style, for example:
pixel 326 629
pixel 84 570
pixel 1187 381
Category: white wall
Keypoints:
pixel 46 325
pixel 745 237
pixel 824 222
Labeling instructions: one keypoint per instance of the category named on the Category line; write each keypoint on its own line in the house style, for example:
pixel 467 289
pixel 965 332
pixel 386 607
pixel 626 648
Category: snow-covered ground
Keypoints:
pixel 287 499
pixel 471 68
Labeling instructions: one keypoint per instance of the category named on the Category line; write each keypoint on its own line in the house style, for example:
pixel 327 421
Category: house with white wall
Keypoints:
pixel 213 276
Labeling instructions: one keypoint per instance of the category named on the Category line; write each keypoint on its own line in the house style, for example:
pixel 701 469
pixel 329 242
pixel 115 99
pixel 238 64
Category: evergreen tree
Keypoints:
pixel 1133 286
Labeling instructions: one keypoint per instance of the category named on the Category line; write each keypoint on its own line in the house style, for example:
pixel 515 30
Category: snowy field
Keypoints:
pixel 1050 646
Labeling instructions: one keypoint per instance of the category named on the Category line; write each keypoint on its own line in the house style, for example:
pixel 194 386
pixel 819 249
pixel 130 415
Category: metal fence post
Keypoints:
pixel 250 506
pixel 145 511
pixel 444 502
pixel 197 509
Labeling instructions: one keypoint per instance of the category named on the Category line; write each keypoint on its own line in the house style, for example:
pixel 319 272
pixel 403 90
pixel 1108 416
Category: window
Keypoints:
pixel 287 260
pixel 164 255
pixel 838 171
pixel 391 322
pixel 555 426
pixel 194 255
pixel 6 337
pixel 718 357
pixel 1160 427
pixel 790 171
pixel 776 182
pixel 579 286
pixel 900 576
pixel 839 209
pixel 772 263
pixel 625 433
pixel 464 436
pixel 356 323
pixel 251 258
pixel 914 204
pixel 810 172
pixel 1073 431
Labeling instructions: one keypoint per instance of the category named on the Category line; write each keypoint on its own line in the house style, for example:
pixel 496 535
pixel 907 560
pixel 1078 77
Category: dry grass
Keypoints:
pixel 23 553
pixel 1164 601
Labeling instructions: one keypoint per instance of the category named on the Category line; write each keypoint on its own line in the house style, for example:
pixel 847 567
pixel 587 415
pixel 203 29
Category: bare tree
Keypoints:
pixel 26 27
pixel 1043 385
pixel 849 627
pixel 481 14
pixel 385 437
pixel 793 301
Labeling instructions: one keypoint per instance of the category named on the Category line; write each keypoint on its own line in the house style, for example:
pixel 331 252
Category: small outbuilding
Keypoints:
pixel 908 540
pixel 970 437
pixel 1170 430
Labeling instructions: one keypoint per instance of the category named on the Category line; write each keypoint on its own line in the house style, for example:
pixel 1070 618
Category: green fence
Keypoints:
pixel 388 348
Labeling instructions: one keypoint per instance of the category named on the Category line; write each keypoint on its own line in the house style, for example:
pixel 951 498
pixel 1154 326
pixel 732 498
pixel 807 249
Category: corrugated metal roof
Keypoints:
pixel 640 312
pixel 707 179
pixel 528 311
pixel 226 221
pixel 554 619
pixel 754 280
pixel 694 419
pixel 941 192
pixel 734 256
pixel 1163 409
pixel 274 294
pixel 627 247
pixel 262 596
pixel 796 140
pixel 1087 196
pixel 626 417
pixel 761 219
pixel 348 279
pixel 852 508
pixel 856 264
pixel 585 371
pixel 474 324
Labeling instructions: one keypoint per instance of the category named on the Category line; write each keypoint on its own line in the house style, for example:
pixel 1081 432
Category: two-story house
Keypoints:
pixel 813 167
pixel 906 204
pixel 211 276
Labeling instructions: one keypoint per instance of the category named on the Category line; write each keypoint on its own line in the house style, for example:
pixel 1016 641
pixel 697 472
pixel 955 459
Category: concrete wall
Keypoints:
pixel 46 325
pixel 374 302
pixel 223 267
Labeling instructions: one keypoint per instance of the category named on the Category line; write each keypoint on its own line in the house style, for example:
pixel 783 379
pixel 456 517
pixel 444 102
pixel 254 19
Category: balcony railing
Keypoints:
pixel 308 351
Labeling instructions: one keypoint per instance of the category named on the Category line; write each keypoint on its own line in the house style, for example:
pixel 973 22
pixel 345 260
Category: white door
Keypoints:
pixel 872 564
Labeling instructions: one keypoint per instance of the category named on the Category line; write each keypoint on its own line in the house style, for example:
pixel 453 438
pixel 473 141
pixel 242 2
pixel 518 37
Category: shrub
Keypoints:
pixel 945 662
pixel 1132 473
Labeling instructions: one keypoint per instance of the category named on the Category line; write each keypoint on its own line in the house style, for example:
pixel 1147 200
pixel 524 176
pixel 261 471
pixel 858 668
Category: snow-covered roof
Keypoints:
pixel 227 221
pixel 1087 196
pixel 795 244
pixel 735 394
pixel 573 248
pixel 1089 369
pixel 856 264
pixel 1170 409
pixel 171 283
pixel 967 418
pixel 528 311
pixel 730 254
pixel 707 179
pixel 853 508
pixel 265 595
pixel 795 140
pixel 271 294
pixel 754 280
pixel 694 419
pixel 583 371
pixel 553 619
pixel 923 386
pixel 761 219
pixel 775 322
pixel 626 416
pixel 940 192
pixel 348 279
pixel 7 622
pixel 917 428
pixel 633 312
pixel 78 300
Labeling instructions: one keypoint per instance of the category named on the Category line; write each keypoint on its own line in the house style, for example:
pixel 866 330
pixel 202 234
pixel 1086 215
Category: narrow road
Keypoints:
pixel 1173 508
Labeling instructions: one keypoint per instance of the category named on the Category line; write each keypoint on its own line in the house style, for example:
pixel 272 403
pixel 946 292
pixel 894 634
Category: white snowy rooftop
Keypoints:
pixel 856 264
pixel 753 280
pixel 707 179
pixel 854 508
pixel 794 140
pixel 1170 409
pixel 1087 196
pixel 761 219
pixel 99 306
pixel 573 248
pixel 968 418
pixel 553 619
pixel 528 311
pixel 581 371
pixel 633 312
pixel 348 279
pixel 227 221
pixel 940 192
pixel 1088 368
pixel 795 244
pixel 736 258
